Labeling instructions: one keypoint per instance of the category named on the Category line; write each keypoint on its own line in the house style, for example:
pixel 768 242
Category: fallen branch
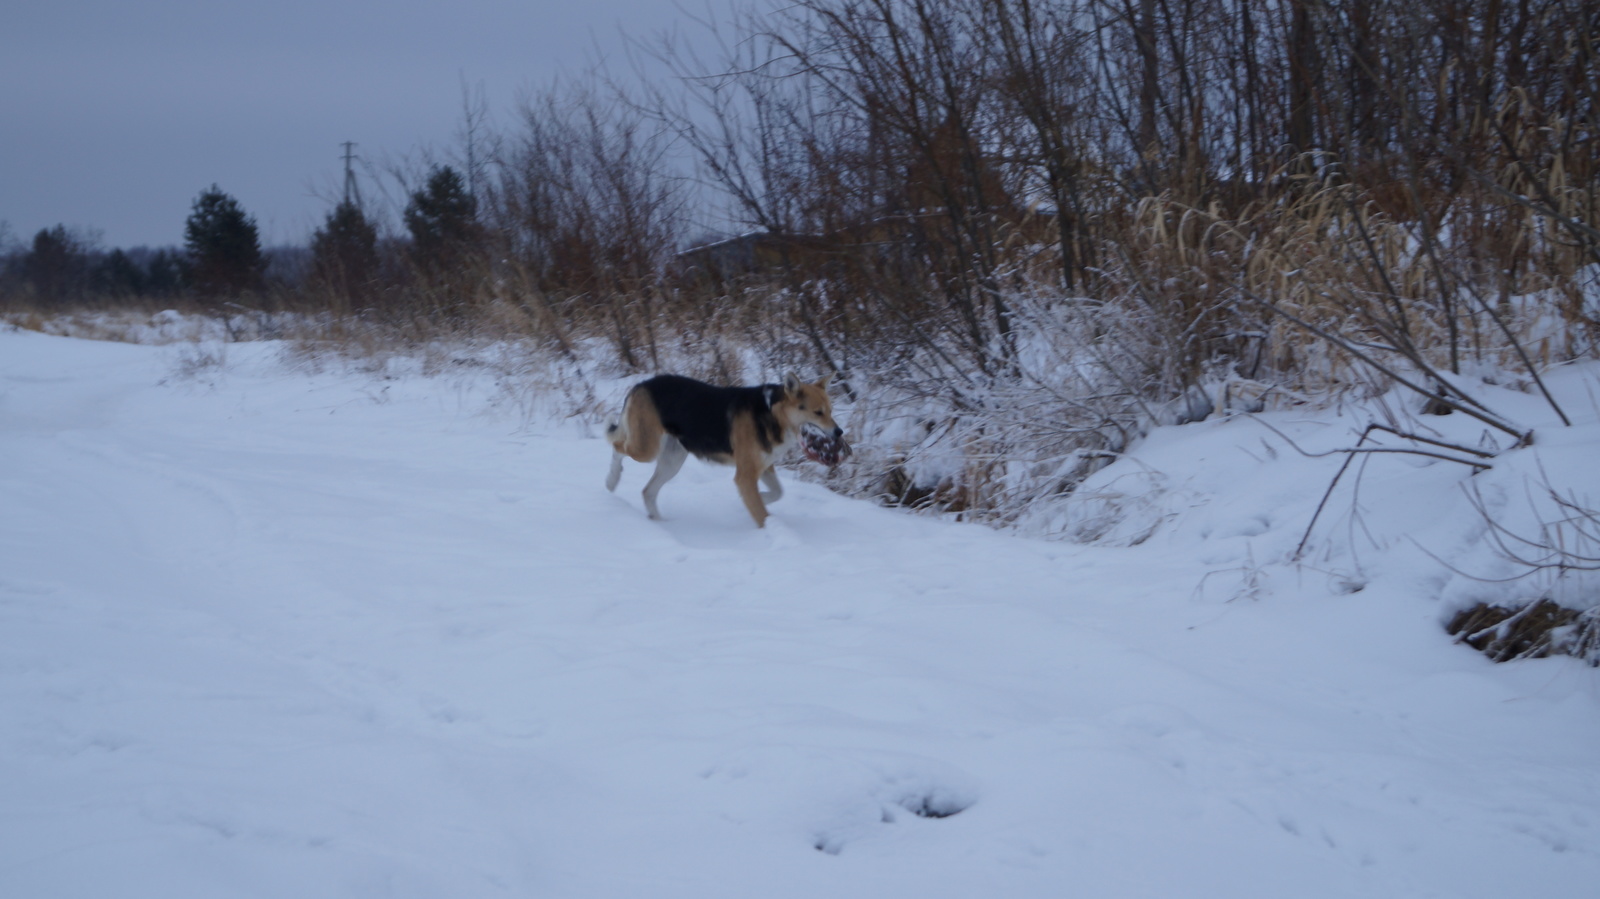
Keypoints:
pixel 1359 449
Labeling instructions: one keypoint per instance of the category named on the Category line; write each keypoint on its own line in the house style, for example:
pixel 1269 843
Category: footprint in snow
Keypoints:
pixel 897 802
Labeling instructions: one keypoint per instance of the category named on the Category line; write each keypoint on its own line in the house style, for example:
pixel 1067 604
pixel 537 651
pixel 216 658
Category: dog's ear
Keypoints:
pixel 825 380
pixel 792 384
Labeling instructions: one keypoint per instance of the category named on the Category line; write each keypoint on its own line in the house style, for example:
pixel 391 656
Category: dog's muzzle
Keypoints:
pixel 822 447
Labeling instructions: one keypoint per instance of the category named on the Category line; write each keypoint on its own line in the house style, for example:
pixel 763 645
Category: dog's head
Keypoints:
pixel 807 409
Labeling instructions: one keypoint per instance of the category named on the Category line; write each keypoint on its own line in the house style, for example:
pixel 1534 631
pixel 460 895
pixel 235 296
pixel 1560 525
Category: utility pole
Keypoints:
pixel 474 108
pixel 352 191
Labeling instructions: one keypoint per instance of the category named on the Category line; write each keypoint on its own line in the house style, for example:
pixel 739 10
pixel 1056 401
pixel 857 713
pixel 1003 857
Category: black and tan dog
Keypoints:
pixel 669 417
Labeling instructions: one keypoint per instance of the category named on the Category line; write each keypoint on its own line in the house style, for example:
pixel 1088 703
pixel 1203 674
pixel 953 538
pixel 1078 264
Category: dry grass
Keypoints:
pixel 1536 630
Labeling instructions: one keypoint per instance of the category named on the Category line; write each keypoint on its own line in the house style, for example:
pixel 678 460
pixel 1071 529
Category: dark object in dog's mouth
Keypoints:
pixel 822 447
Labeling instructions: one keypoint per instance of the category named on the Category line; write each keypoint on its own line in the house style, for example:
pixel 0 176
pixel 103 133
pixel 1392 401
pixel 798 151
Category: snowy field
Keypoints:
pixel 272 633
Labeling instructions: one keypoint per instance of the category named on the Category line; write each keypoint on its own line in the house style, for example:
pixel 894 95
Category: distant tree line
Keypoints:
pixel 61 265
pixel 222 259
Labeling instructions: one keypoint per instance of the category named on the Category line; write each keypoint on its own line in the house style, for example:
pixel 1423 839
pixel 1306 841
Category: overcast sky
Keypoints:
pixel 116 114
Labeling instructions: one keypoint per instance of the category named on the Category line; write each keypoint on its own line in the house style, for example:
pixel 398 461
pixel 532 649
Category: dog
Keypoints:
pixel 669 417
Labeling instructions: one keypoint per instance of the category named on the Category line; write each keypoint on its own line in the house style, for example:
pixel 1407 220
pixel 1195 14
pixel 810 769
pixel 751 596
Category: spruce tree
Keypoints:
pixel 344 252
pixel 224 247
pixel 56 266
pixel 442 219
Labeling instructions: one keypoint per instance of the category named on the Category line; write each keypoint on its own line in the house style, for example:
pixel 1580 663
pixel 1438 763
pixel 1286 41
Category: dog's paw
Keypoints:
pixel 781 535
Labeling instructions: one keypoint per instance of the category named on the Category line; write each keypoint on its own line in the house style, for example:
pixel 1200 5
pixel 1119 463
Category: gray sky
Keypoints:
pixel 116 114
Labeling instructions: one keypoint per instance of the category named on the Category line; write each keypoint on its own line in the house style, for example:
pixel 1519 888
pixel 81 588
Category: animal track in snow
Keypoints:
pixel 926 800
pixel 935 805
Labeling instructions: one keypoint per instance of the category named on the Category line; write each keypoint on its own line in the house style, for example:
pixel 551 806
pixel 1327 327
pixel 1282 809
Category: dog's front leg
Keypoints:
pixel 750 462
pixel 745 478
pixel 774 491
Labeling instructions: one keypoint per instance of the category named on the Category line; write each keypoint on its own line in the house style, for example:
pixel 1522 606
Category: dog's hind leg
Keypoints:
pixel 637 434
pixel 617 436
pixel 615 474
pixel 667 465
pixel 774 491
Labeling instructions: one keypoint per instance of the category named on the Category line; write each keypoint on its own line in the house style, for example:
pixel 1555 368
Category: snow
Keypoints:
pixel 273 632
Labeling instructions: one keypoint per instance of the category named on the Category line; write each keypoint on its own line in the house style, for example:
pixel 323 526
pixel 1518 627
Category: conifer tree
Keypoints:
pixel 57 265
pixel 344 251
pixel 442 219
pixel 224 247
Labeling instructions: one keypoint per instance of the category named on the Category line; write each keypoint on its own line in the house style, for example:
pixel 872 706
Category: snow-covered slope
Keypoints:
pixel 267 633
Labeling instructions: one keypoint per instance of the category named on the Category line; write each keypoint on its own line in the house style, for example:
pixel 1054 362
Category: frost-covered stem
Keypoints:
pixel 1398 450
pixel 1359 449
pixel 1300 548
pixel 1466 405
pixel 1522 353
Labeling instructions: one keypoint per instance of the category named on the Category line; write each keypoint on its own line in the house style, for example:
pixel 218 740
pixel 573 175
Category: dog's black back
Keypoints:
pixel 701 415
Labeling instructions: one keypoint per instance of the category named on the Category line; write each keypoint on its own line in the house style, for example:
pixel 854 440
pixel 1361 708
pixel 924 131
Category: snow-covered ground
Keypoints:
pixel 273 633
